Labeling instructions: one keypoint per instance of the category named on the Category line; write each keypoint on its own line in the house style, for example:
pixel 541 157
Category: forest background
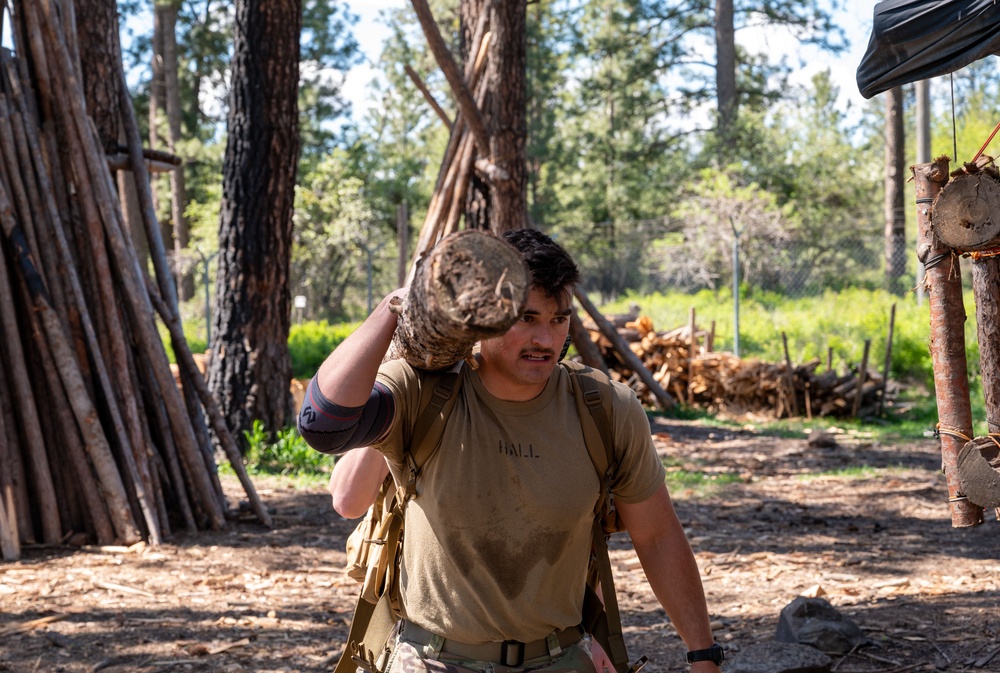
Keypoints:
pixel 630 164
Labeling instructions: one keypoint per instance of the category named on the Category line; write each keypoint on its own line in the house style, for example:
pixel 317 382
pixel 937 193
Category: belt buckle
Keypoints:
pixel 505 652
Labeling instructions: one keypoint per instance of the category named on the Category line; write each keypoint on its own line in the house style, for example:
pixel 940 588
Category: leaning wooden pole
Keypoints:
pixel 630 358
pixel 943 284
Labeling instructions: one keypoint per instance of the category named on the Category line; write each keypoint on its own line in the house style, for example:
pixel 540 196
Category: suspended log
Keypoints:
pixel 979 471
pixel 965 212
pixel 471 286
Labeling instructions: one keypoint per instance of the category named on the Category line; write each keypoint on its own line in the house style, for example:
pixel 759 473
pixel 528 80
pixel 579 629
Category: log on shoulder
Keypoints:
pixel 979 471
pixel 471 286
pixel 964 215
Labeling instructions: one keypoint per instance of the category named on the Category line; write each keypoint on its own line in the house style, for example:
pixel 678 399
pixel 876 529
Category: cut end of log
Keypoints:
pixel 962 214
pixel 471 286
pixel 979 471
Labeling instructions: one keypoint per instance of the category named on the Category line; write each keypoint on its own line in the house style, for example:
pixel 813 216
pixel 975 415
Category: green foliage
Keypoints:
pixel 309 343
pixel 284 453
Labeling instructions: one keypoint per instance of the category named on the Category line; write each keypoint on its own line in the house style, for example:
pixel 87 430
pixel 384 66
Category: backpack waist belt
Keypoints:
pixel 506 653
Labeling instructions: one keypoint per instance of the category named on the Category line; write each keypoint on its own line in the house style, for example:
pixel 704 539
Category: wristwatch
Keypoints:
pixel 713 654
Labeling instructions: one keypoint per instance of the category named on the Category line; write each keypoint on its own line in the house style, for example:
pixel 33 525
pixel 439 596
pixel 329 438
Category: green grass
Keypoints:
pixel 685 480
pixel 284 454
pixel 854 472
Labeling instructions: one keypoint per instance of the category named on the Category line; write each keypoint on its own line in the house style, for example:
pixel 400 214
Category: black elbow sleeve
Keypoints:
pixel 331 428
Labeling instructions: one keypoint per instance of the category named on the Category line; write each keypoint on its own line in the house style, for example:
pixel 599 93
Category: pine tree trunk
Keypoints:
pixel 178 188
pixel 895 215
pixel 725 70
pixel 100 85
pixel 507 123
pixel 251 368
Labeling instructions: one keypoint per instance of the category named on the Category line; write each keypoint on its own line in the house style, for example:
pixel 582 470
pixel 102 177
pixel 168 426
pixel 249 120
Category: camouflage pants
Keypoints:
pixel 408 658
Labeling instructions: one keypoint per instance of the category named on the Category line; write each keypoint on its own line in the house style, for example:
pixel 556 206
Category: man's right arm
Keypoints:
pixel 344 408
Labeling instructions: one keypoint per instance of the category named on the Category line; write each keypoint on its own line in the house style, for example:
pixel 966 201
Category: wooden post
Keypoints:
pixel 692 353
pixel 790 377
pixel 943 283
pixel 862 374
pixel 888 359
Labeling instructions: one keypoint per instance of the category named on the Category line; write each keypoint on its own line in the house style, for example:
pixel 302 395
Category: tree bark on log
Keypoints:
pixel 471 286
pixel 943 282
pixel 964 214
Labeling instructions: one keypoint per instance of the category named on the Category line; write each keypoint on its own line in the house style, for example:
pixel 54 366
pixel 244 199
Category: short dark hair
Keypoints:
pixel 552 269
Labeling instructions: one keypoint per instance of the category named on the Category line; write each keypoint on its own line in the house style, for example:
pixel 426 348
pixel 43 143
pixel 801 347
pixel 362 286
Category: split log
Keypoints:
pixel 979 471
pixel 471 286
pixel 964 214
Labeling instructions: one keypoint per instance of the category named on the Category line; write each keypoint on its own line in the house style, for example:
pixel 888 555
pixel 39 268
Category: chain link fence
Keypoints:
pixel 655 256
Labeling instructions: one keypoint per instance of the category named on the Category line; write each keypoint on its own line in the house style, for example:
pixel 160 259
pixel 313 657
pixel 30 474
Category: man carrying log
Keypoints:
pixel 498 536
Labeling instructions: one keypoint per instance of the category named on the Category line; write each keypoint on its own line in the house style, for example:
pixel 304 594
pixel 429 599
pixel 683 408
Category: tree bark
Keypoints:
pixel 725 71
pixel 508 127
pixel 943 281
pixel 471 286
pixel 95 20
pixel 251 367
pixel 895 177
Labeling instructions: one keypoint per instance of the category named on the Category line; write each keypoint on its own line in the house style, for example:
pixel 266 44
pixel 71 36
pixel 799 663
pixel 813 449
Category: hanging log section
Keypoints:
pixel 724 384
pixel 965 215
pixel 97 444
pixel 979 470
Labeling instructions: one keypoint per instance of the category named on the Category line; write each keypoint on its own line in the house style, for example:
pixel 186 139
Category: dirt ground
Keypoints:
pixel 878 543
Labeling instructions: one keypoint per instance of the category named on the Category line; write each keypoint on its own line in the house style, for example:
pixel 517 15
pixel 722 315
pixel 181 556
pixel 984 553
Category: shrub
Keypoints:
pixel 310 342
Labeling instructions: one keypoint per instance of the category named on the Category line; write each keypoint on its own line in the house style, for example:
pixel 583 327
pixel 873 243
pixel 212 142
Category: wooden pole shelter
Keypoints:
pixel 115 453
pixel 943 283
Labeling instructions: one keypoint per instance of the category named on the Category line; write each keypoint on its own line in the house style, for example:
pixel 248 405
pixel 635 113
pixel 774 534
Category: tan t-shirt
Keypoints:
pixel 498 536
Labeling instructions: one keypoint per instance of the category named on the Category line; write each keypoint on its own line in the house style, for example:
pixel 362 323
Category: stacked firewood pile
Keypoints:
pixel 97 444
pixel 725 384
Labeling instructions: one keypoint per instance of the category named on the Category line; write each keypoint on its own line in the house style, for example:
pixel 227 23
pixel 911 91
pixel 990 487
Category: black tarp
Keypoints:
pixel 919 39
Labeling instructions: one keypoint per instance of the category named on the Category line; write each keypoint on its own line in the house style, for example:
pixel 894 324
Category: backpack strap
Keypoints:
pixel 368 643
pixel 601 619
pixel 429 428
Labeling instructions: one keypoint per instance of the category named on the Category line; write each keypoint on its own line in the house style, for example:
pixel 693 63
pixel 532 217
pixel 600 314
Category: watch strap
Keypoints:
pixel 714 654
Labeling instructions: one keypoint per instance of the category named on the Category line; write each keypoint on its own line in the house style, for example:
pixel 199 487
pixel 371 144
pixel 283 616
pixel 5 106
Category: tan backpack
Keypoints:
pixel 374 549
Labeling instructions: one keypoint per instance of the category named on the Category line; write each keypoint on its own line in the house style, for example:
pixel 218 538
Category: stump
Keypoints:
pixel 963 213
pixel 471 286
